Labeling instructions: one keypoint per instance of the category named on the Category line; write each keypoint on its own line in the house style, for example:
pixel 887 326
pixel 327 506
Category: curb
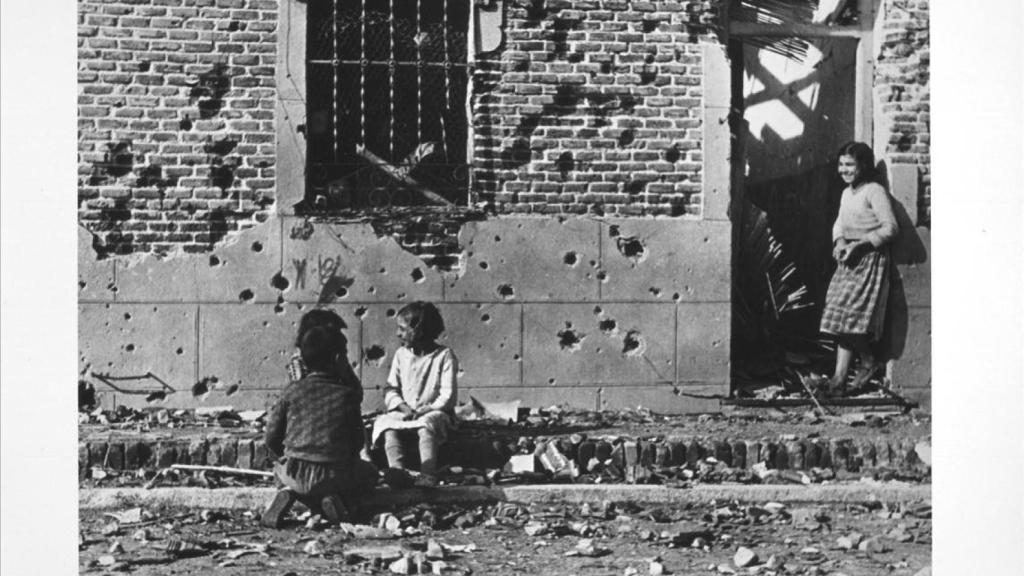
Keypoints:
pixel 838 454
pixel 257 498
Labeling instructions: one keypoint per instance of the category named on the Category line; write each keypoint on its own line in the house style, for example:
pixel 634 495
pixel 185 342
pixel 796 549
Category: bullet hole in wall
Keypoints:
pixel 485 318
pixel 417 275
pixel 246 295
pixel 602 276
pixel 390 312
pixel 627 137
pixel 655 291
pixel 613 231
pixel 484 265
pixel 673 154
pixel 257 246
pixel 157 396
pixel 598 311
pixel 676 297
pixel 570 339
pixel 179 351
pixel 360 312
pixel 127 316
pixel 231 390
pixel 506 291
pixel 631 247
pixel 129 347
pixel 214 260
pixel 279 282
pixel 552 381
pixel 201 388
pixel 607 326
pixel 571 259
pixel 374 355
pixel 633 343
pixel 650 26
pixel 279 305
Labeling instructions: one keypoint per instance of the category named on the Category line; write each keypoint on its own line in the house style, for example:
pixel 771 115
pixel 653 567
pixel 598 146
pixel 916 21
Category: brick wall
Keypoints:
pixel 592 106
pixel 903 86
pixel 176 121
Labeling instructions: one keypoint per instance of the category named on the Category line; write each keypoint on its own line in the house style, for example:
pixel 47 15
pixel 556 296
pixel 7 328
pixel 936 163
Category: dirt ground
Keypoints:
pixel 865 539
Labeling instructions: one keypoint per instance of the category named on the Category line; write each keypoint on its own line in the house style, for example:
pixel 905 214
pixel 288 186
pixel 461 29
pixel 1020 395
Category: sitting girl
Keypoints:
pixel 420 394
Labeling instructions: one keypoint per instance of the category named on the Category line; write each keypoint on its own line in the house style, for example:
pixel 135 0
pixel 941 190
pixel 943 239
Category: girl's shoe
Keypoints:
pixel 275 513
pixel 334 509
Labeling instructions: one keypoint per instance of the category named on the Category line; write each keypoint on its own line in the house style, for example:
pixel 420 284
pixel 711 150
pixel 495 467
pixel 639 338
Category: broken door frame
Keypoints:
pixel 864 129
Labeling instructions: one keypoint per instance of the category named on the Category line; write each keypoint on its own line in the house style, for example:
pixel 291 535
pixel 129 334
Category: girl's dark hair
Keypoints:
pixel 863 156
pixel 424 319
pixel 320 346
pixel 318 317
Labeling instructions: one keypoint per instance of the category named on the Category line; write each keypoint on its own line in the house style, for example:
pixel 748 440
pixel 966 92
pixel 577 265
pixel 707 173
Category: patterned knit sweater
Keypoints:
pixel 318 419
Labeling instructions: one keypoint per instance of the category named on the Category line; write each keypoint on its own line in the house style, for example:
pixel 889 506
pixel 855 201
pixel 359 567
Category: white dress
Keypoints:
pixel 426 381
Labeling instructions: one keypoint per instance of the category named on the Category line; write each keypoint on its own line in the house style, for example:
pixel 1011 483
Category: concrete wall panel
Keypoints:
pixel 135 339
pixel 242 270
pixel 528 259
pixel 913 369
pixel 353 264
pixel 666 260
pixel 486 340
pixel 148 279
pixel 913 258
pixel 703 343
pixel 537 396
pixel 95 277
pixel 378 343
pixel 663 399
pixel 262 341
pixel 598 343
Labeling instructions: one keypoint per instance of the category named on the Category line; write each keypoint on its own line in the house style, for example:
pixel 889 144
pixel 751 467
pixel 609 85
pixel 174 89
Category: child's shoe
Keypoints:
pixel 334 509
pixel 275 513
pixel 397 478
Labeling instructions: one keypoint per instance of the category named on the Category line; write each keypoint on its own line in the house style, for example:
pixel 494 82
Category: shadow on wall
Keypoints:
pixel 907 249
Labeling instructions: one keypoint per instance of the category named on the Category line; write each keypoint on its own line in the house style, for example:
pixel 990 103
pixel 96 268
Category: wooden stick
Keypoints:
pixel 222 470
pixel 811 394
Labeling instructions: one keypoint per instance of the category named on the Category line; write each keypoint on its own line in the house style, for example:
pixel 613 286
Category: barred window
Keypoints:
pixel 386 117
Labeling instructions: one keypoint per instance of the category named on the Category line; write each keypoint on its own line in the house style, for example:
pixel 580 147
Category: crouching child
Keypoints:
pixel 315 432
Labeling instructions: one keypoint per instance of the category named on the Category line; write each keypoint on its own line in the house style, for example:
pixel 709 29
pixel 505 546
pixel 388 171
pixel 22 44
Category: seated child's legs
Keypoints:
pixel 428 452
pixel 395 449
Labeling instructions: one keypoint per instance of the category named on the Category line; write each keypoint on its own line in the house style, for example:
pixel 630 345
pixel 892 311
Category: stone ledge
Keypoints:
pixel 256 498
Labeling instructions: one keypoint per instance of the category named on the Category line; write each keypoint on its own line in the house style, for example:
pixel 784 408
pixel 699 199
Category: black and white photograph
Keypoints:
pixel 514 287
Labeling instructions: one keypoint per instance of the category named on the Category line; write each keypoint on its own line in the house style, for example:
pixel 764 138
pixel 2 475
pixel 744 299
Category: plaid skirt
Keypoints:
pixel 315 479
pixel 857 297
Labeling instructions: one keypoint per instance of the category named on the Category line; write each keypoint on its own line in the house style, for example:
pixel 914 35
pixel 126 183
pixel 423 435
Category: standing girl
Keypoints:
pixel 421 392
pixel 858 294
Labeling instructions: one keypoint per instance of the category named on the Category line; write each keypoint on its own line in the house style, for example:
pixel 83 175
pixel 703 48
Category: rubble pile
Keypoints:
pixel 767 538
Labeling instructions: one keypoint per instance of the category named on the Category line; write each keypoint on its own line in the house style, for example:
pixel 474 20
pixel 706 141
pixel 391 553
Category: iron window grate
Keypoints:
pixel 386 118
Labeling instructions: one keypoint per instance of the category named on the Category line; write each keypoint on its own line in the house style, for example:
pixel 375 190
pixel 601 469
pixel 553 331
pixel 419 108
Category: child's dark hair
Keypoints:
pixel 864 157
pixel 320 346
pixel 318 317
pixel 424 319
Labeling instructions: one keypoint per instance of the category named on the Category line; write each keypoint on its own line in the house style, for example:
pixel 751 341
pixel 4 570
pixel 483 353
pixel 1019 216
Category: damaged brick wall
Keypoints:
pixel 176 121
pixel 592 106
pixel 903 86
